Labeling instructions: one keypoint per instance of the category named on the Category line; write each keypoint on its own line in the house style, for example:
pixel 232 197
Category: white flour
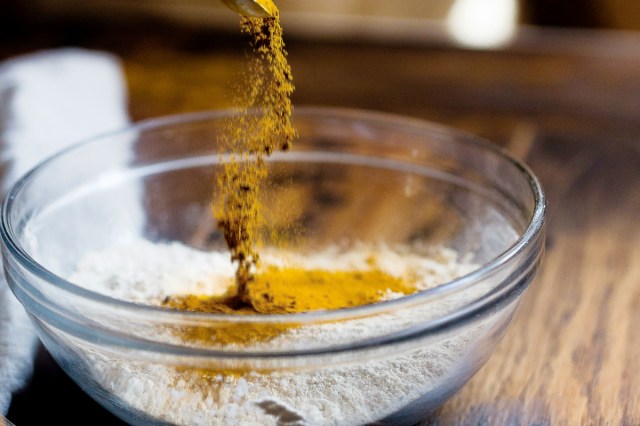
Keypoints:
pixel 345 394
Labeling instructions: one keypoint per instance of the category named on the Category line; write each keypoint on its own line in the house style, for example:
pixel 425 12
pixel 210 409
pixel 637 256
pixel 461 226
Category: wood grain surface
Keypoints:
pixel 569 105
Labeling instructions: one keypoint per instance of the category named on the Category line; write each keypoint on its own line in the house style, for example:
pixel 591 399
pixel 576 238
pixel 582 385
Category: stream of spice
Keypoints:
pixel 261 127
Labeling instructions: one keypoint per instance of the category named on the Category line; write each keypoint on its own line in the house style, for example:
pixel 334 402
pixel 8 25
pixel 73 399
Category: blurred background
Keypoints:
pixel 492 67
pixel 474 23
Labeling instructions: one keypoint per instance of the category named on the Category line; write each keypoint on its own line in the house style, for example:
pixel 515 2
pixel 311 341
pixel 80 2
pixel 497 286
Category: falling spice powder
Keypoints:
pixel 262 126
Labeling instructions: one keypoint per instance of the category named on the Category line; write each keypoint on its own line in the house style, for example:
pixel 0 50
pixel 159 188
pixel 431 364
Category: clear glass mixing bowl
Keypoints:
pixel 353 178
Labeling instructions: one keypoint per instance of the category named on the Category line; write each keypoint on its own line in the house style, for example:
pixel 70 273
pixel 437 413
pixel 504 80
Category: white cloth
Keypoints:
pixel 48 100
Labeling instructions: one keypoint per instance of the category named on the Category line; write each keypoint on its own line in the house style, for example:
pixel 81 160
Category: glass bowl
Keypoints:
pixel 466 212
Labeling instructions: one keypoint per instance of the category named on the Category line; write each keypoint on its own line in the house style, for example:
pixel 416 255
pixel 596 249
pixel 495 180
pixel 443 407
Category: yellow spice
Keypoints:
pixel 266 90
pixel 285 291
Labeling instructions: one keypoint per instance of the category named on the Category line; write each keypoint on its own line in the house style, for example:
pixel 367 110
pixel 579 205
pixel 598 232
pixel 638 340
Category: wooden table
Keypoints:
pixel 568 104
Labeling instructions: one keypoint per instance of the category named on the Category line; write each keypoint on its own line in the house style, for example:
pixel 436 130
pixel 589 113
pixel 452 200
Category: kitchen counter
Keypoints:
pixel 566 103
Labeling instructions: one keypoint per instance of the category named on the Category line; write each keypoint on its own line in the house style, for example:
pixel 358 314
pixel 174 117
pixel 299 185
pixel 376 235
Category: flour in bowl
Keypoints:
pixel 365 388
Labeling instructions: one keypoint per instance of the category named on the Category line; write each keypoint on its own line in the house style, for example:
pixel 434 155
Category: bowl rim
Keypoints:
pixel 533 229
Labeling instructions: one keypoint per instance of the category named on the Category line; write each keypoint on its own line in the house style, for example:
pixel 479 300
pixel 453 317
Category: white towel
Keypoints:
pixel 48 100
